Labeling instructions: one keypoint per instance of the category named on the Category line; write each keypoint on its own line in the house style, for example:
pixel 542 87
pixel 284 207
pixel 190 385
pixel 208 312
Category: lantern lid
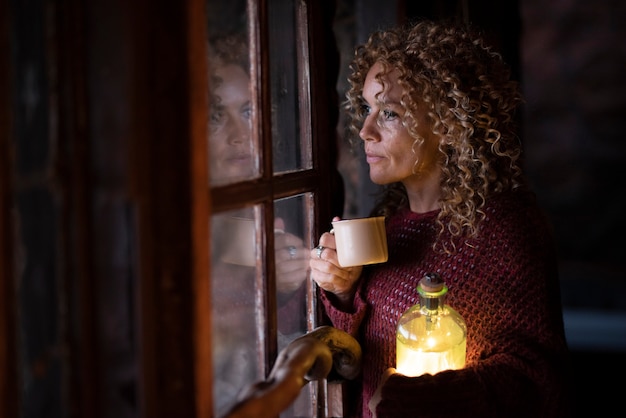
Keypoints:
pixel 432 285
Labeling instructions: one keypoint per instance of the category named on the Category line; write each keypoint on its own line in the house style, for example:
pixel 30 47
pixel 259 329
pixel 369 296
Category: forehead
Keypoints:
pixel 234 85
pixel 381 84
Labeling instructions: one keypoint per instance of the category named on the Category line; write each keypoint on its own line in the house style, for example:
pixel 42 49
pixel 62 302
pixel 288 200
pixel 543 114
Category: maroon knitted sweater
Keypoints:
pixel 504 283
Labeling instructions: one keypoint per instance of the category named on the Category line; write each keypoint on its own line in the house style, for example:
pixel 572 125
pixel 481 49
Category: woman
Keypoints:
pixel 435 109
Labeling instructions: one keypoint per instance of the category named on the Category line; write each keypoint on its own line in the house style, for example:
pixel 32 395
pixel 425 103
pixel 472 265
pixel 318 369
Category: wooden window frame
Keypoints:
pixel 163 82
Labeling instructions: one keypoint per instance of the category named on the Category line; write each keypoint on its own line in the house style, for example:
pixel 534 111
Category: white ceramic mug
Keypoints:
pixel 239 241
pixel 361 241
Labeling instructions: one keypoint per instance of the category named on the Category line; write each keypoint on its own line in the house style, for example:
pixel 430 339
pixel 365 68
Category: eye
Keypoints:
pixel 363 110
pixel 246 111
pixel 217 119
pixel 388 115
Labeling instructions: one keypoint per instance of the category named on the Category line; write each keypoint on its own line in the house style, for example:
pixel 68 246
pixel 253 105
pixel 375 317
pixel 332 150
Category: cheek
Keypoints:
pixel 217 142
pixel 430 153
pixel 403 152
pixel 406 162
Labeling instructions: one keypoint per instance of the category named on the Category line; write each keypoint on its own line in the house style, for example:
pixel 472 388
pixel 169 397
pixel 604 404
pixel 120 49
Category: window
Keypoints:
pixel 114 221
pixel 267 186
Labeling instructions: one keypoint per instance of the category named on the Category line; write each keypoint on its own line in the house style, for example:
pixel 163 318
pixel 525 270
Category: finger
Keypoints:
pixel 387 373
pixel 330 283
pixel 325 251
pixel 292 266
pixel 328 240
pixel 326 265
pixel 279 225
pixel 333 280
pixel 289 283
pixel 286 239
pixel 289 253
pixel 377 397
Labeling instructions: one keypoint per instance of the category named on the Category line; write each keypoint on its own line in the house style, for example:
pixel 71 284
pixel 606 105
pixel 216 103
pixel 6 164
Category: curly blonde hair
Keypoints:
pixel 471 102
pixel 231 49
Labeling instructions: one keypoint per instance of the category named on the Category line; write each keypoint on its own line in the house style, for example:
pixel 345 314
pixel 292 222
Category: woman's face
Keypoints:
pixel 390 150
pixel 230 126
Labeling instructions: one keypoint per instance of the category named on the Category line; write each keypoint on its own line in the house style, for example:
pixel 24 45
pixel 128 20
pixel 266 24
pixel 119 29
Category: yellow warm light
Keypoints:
pixel 412 362
pixel 431 342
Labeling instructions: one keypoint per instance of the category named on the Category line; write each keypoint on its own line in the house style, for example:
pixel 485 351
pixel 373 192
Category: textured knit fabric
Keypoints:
pixel 503 282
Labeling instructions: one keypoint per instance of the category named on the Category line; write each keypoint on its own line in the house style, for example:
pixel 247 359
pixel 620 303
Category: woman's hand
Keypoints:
pixel 328 274
pixel 376 398
pixel 291 259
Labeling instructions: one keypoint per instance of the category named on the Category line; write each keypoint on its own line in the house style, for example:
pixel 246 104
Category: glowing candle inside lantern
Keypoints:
pixel 431 336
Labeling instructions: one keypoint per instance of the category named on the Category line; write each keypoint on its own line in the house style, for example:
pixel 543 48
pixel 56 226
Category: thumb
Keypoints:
pixel 279 224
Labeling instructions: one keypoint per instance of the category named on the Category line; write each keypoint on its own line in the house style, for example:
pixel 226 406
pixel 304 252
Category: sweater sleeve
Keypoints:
pixel 348 321
pixel 291 308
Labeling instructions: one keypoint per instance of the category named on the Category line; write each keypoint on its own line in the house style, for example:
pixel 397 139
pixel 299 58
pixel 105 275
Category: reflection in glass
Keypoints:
pixel 237 242
pixel 290 127
pixel 237 355
pixel 235 285
pixel 233 152
pixel 292 263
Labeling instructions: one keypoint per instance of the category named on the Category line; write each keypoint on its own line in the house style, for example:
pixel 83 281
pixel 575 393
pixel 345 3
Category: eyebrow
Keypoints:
pixel 384 100
pixel 378 99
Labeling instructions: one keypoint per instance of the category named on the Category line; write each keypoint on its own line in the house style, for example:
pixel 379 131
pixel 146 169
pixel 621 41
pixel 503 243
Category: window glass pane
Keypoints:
pixel 290 122
pixel 291 229
pixel 292 264
pixel 238 358
pixel 232 144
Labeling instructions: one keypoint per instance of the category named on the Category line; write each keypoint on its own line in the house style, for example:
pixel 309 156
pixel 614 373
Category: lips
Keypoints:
pixel 373 158
pixel 239 159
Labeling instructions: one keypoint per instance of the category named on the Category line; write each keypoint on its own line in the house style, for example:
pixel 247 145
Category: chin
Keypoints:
pixel 379 181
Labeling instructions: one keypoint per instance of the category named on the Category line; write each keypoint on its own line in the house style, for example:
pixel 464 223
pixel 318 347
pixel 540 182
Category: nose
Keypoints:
pixel 369 130
pixel 239 130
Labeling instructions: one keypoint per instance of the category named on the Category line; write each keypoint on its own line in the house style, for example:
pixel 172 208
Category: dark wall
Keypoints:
pixel 573 57
pixel 573 61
